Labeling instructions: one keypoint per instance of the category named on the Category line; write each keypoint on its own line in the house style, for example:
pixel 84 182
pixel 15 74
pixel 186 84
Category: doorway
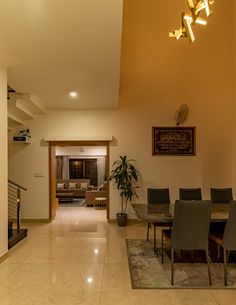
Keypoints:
pixel 81 167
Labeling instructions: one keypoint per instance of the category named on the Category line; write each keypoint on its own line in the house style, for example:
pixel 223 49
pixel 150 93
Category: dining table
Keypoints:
pixel 159 214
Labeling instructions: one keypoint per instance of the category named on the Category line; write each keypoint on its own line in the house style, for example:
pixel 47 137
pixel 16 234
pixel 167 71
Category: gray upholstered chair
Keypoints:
pixel 190 194
pixel 157 196
pixel 228 240
pixel 190 230
pixel 221 195
pixel 160 195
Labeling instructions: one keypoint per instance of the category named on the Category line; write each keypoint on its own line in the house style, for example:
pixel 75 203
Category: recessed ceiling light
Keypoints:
pixel 89 280
pixel 73 94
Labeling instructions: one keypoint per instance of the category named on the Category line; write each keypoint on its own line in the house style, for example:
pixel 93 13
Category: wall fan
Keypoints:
pixel 181 114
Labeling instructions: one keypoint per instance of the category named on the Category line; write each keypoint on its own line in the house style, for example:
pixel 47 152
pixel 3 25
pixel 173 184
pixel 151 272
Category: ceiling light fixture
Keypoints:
pixel 89 280
pixel 188 20
pixel 73 94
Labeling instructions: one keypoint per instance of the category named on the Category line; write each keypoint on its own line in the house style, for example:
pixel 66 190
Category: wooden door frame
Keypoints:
pixel 52 172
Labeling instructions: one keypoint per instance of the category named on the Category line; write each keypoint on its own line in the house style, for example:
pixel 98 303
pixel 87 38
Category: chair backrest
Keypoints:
pixel 229 239
pixel 190 194
pixel 191 225
pixel 221 195
pixel 158 195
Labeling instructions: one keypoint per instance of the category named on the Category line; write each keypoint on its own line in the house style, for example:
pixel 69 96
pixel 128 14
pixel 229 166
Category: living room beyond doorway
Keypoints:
pixel 80 175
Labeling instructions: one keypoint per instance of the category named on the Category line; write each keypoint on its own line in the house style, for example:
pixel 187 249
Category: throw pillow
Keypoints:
pixel 60 186
pixel 84 185
pixel 72 185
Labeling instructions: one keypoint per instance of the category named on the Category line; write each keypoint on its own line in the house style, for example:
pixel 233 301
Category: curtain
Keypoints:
pixel 59 167
pixel 63 167
pixel 100 169
pixel 65 170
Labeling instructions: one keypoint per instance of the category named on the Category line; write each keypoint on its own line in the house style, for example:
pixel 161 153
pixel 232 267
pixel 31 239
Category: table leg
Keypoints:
pixel 155 239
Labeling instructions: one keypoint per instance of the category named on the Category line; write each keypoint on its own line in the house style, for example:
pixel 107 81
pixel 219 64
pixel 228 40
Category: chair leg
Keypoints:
pixel 208 268
pixel 191 253
pixel 172 266
pixel 225 267
pixel 148 228
pixel 155 238
pixel 162 245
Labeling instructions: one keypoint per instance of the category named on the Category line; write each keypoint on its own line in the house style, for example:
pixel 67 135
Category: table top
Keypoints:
pixel 163 213
pixel 100 198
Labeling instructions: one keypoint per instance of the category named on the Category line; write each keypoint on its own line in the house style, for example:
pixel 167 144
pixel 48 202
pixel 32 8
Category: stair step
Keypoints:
pixel 10 224
pixel 16 237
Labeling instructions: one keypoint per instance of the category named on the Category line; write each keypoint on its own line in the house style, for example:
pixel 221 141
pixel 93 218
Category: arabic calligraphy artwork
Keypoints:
pixel 188 20
pixel 173 141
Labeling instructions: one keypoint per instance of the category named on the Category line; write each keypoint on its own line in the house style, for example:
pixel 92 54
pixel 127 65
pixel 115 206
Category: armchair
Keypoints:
pixel 101 191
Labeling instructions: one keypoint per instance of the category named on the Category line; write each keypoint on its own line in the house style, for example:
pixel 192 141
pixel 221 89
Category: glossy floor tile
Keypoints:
pixel 81 259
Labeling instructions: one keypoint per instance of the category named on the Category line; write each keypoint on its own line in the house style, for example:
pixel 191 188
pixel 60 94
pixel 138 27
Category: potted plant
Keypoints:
pixel 125 176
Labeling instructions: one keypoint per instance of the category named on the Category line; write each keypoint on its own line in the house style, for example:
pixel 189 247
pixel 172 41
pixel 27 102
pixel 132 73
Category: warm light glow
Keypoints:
pixel 200 6
pixel 89 280
pixel 73 94
pixel 189 20
pixel 96 251
pixel 201 21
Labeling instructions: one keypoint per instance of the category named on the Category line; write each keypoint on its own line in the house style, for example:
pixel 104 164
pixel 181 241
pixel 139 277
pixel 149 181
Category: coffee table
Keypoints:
pixel 66 197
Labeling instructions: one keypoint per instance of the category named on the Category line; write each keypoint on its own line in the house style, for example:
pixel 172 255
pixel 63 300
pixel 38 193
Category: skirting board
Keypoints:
pixel 4 256
pixel 130 221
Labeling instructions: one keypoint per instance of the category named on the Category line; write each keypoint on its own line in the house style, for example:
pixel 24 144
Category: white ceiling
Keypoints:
pixel 52 47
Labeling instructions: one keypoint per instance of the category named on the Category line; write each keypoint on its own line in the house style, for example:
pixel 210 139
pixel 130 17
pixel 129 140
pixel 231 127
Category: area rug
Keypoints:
pixel 147 272
pixel 80 202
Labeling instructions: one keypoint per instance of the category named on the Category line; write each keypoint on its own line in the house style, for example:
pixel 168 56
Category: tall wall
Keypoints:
pixel 157 76
pixel 234 109
pixel 3 163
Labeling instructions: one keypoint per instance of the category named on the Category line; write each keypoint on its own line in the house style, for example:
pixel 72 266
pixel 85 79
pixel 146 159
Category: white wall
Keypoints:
pixel 3 163
pixel 157 75
pixel 25 162
pixel 81 151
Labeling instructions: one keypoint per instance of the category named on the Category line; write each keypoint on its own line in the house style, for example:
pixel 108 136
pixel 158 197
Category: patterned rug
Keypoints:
pixel 80 202
pixel 147 272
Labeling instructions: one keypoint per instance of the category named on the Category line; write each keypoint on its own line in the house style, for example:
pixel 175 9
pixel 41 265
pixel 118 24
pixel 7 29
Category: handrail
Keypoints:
pixel 14 183
pixel 15 192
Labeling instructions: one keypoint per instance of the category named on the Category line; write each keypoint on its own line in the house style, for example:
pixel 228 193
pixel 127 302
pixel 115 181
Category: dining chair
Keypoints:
pixel 221 195
pixel 190 230
pixel 228 240
pixel 154 196
pixel 190 194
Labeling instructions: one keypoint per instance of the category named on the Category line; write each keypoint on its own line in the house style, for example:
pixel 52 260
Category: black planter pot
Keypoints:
pixel 121 219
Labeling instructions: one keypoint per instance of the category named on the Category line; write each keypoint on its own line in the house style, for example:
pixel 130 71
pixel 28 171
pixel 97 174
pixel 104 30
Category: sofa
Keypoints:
pixel 72 188
pixel 100 191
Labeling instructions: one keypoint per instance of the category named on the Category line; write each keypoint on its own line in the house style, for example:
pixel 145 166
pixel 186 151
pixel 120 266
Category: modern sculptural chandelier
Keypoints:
pixel 192 18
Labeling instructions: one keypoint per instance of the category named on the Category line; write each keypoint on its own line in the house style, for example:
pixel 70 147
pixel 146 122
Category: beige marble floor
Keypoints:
pixel 67 262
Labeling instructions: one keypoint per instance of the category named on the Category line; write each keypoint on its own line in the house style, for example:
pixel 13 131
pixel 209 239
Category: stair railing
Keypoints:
pixel 14 202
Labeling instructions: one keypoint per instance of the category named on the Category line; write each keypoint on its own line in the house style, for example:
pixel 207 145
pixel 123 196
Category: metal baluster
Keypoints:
pixel 18 209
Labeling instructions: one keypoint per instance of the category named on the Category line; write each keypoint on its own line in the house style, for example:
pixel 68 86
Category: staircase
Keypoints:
pixel 22 108
pixel 15 232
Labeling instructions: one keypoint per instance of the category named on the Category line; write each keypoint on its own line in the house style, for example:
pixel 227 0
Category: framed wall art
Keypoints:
pixel 176 141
